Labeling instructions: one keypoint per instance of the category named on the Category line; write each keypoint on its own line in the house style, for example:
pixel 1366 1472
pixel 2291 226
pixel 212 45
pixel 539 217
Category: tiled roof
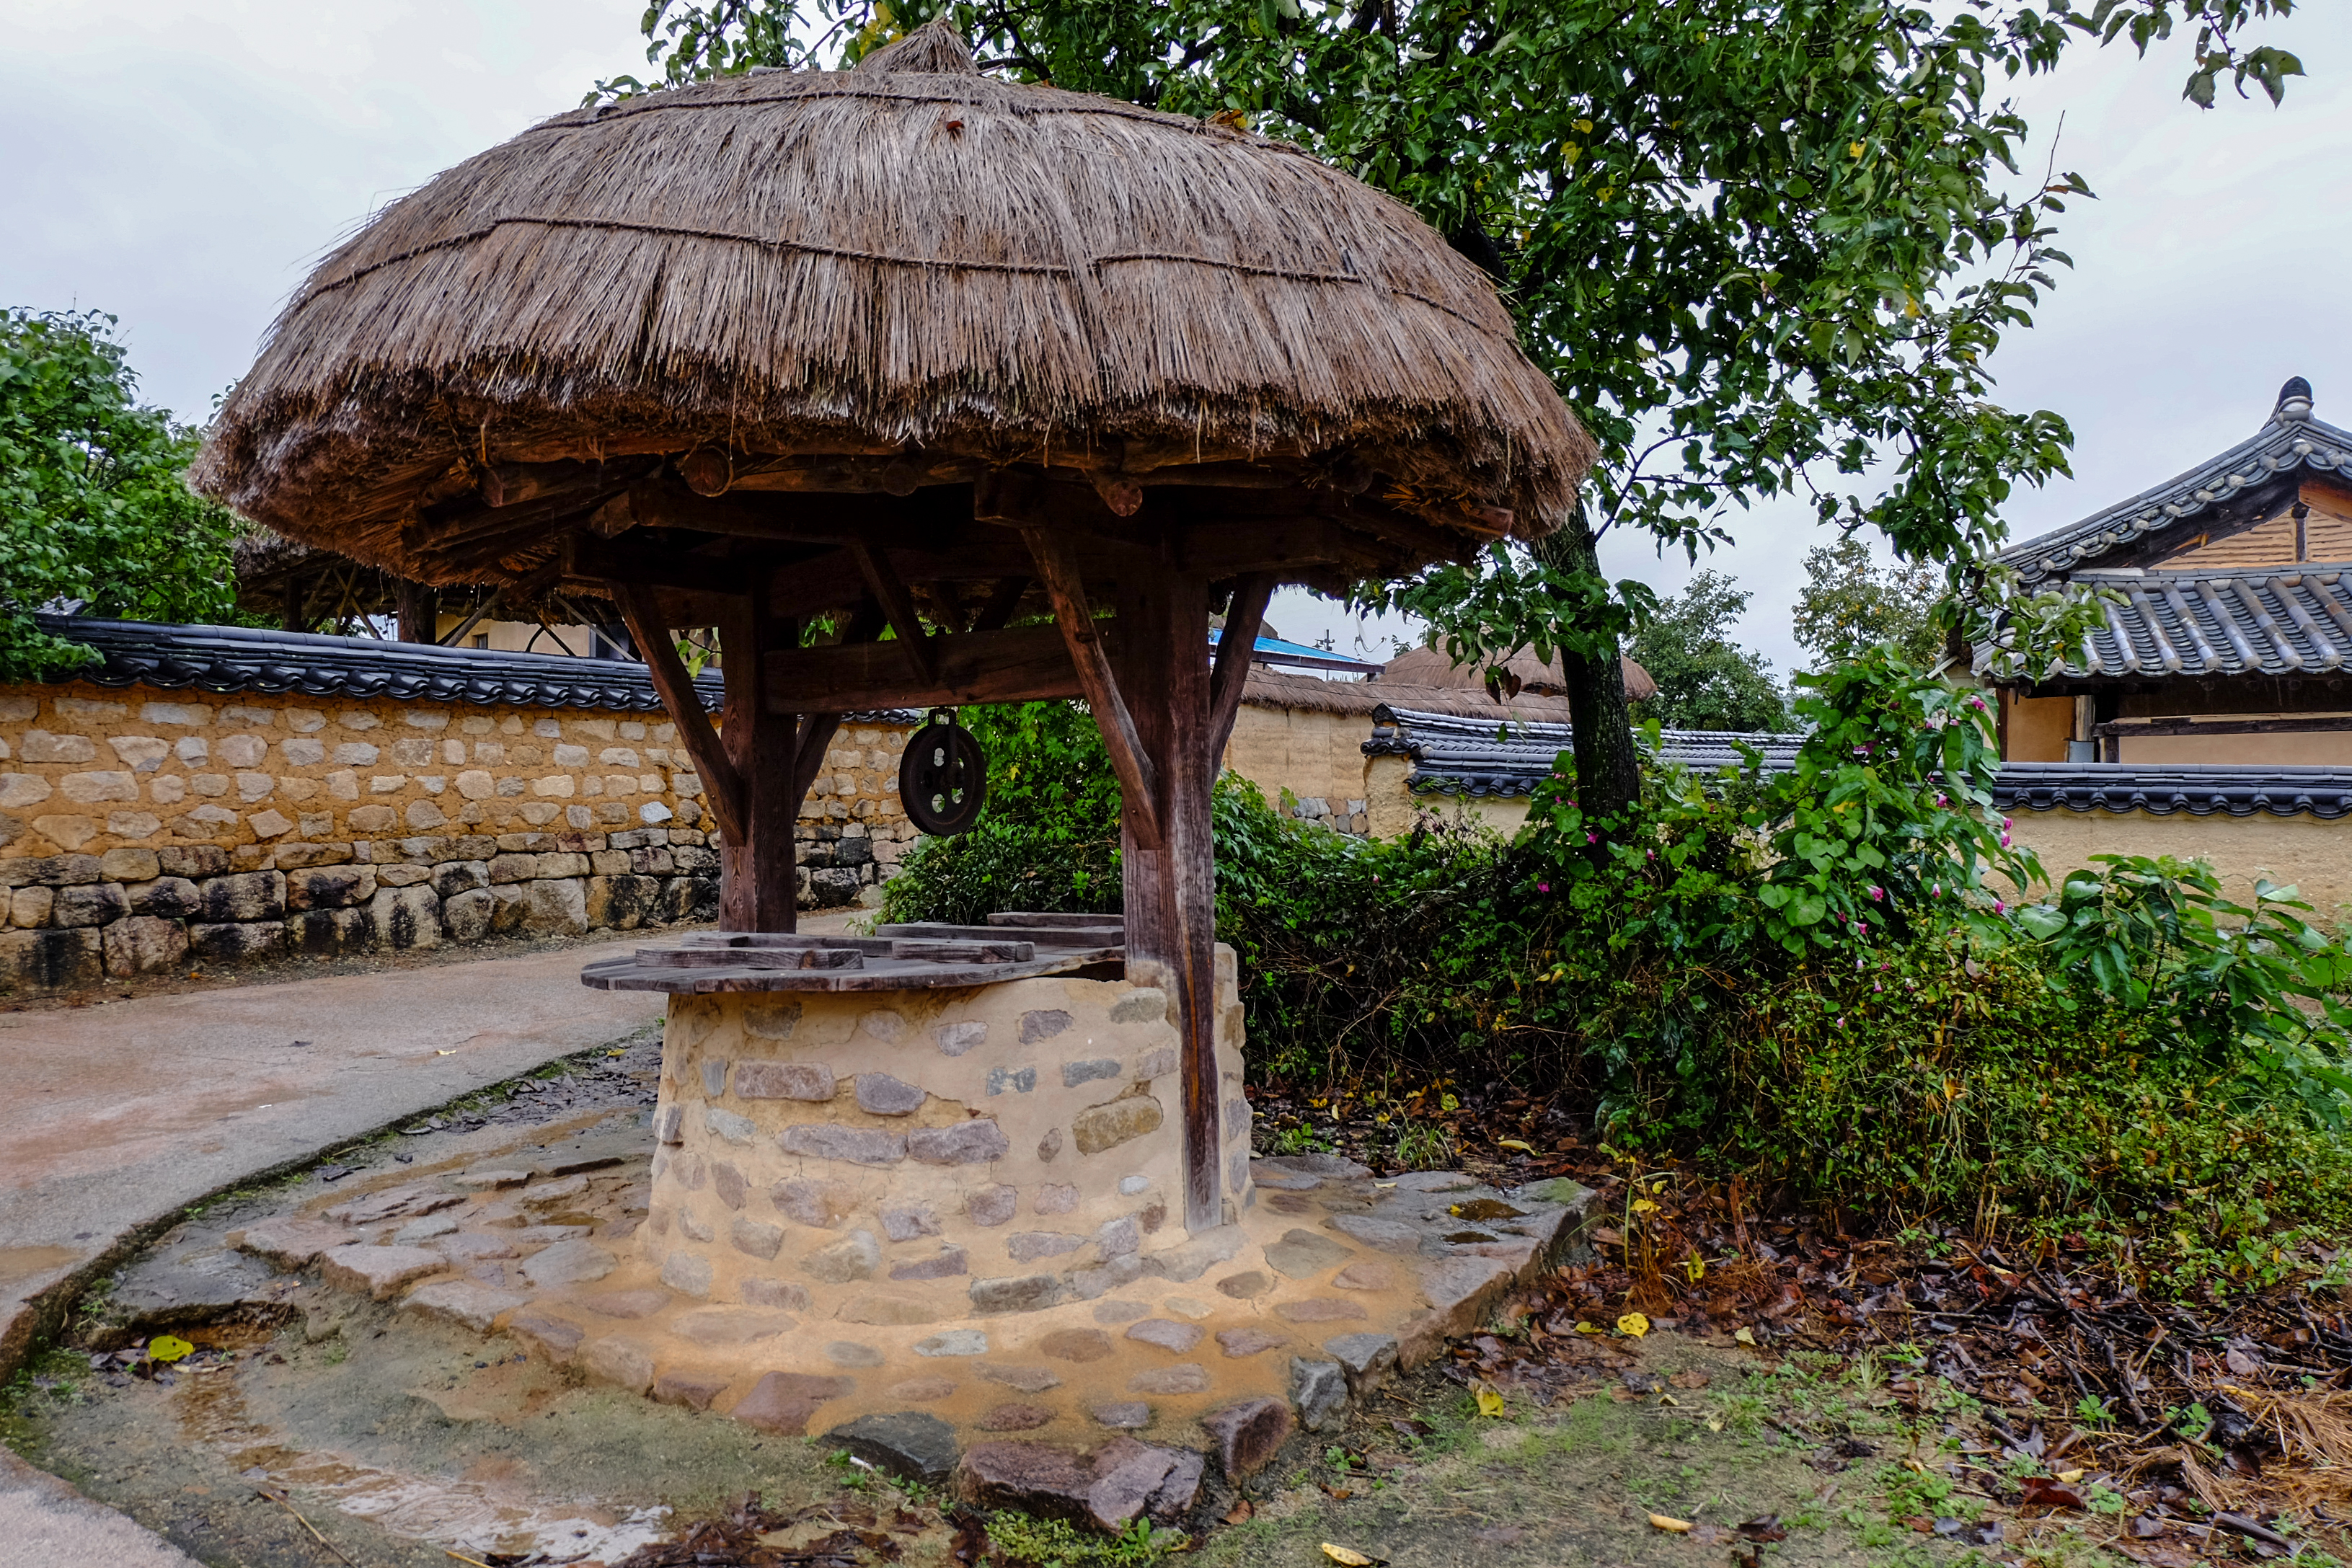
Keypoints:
pixel 2268 622
pixel 2199 788
pixel 2288 443
pixel 232 659
pixel 1474 757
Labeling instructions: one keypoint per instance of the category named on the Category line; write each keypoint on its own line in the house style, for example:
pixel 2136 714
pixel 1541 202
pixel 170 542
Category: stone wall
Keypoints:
pixel 143 830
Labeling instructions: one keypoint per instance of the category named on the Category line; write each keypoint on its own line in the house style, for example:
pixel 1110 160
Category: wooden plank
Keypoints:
pixel 2286 724
pixel 1055 918
pixel 723 788
pixel 1137 778
pixel 810 957
pixel 1044 935
pixel 1027 664
pixel 625 975
pixel 890 592
pixel 1235 644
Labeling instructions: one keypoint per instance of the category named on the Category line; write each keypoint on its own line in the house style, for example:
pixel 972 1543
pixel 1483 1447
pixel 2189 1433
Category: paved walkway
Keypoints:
pixel 125 1112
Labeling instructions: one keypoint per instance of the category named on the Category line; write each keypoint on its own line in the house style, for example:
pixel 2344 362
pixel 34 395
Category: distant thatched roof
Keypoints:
pixel 1305 694
pixel 907 260
pixel 1431 667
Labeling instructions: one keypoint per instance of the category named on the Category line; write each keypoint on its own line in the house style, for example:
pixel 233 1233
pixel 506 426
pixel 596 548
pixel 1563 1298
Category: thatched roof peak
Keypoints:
pixel 935 48
pixel 907 262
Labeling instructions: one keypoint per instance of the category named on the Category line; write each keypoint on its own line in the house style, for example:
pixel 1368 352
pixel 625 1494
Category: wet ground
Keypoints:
pixel 308 1427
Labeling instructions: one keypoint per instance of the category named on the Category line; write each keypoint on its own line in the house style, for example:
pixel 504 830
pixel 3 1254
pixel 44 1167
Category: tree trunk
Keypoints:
pixel 1607 765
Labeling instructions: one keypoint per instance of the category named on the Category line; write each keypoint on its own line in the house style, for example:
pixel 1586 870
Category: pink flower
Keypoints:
pixel 1999 907
pixel 1652 853
pixel 2005 840
pixel 1941 800
pixel 1877 895
pixel 1543 887
pixel 1592 837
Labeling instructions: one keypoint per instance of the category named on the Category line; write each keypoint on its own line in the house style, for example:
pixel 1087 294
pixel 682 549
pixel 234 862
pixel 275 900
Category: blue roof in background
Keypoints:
pixel 1275 651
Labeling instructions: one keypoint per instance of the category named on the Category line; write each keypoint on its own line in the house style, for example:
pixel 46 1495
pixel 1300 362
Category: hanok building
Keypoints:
pixel 2228 634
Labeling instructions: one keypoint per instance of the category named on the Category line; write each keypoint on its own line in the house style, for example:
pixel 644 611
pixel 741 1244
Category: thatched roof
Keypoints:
pixel 910 262
pixel 1305 694
pixel 1431 667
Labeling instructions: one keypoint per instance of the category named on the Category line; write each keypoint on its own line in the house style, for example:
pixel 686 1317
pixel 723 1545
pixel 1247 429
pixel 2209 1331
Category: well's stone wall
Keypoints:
pixel 144 829
pixel 906 1158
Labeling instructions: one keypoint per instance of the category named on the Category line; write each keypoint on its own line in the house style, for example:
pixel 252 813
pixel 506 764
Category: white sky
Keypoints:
pixel 183 166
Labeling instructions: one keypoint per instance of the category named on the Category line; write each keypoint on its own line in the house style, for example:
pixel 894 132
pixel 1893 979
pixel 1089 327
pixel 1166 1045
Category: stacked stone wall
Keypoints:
pixel 143 830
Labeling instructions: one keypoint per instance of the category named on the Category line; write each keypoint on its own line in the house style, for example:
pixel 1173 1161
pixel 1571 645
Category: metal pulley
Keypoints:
pixel 942 776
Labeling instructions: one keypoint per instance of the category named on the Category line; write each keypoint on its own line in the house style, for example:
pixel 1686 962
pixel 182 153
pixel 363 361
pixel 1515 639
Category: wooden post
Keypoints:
pixel 757 889
pixel 1170 891
pixel 417 604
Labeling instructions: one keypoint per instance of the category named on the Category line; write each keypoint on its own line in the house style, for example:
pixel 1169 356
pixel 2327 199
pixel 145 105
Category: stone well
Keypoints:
pixel 954 1211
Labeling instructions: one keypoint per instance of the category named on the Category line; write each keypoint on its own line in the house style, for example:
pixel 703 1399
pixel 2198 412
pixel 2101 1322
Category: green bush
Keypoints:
pixel 1803 979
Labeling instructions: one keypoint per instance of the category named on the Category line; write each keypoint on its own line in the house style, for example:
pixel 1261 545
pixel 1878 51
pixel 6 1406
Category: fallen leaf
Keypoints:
pixel 2070 1477
pixel 1489 1402
pixel 1240 1512
pixel 1588 1328
pixel 1337 1494
pixel 1514 1144
pixel 2048 1492
pixel 1765 1527
pixel 450 1052
pixel 1643 1206
pixel 1676 1526
pixel 1348 1557
pixel 169 1348
pixel 1713 1425
pixel 1690 1377
pixel 1632 1325
pixel 2238 1362
pixel 1744 1336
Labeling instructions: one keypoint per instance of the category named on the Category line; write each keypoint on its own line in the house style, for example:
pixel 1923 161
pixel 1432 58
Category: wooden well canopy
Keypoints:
pixel 923 356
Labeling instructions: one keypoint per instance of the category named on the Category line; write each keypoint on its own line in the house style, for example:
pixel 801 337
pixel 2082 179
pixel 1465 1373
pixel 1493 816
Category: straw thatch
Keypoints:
pixel 907 258
pixel 1431 667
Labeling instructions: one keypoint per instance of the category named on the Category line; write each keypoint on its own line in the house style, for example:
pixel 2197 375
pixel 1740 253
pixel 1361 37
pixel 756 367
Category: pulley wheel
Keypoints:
pixel 942 777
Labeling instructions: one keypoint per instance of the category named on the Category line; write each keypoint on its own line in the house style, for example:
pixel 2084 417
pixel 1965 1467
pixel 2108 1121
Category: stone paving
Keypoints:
pixel 535 1243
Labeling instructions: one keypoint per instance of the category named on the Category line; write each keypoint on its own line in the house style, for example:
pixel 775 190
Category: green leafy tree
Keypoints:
pixel 1762 246
pixel 1706 680
pixel 94 510
pixel 1851 603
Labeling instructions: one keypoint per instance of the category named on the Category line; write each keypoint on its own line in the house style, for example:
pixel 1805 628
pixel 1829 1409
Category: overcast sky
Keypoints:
pixel 182 166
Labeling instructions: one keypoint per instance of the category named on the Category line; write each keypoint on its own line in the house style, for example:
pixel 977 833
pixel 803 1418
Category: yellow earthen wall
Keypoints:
pixel 2312 854
pixel 1318 755
pixel 2312 748
pixel 2039 728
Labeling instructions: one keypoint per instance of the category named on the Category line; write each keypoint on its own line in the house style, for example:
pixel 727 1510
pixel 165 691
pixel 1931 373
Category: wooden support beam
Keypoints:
pixel 757 889
pixel 1169 884
pixel 1030 665
pixel 1235 644
pixel 1002 601
pixel 616 560
pixel 1138 780
pixel 458 633
pixel 890 592
pixel 722 789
